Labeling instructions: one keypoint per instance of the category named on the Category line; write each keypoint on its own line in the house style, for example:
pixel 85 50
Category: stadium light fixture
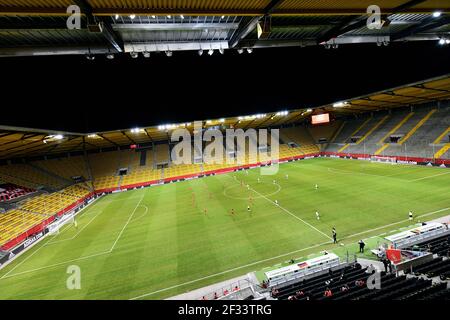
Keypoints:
pixel 309 110
pixel 222 120
pixel 169 53
pixel 134 54
pixel 208 121
pixel 92 136
pixel 437 14
pixel 441 41
pixel 210 52
pixel 222 17
pixel 249 50
pixel 182 17
pixel 153 16
pixel 166 126
pixel 282 113
pixel 110 56
pixel 117 17
pixel 146 54
pixel 169 16
pixel 221 51
pixel 58 137
pixel 90 57
pixel 240 50
pixel 340 104
pixel 132 16
pixel 200 52
pixel 135 130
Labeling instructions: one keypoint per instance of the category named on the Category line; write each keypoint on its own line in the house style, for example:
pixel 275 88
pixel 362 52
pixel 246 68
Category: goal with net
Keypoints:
pixel 382 159
pixel 54 228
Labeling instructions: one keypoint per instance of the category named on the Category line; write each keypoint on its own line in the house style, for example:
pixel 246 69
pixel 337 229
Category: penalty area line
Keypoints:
pixel 7 275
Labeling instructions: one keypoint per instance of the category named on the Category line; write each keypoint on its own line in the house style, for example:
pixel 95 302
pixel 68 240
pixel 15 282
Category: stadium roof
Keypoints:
pixel 18 142
pixel 38 27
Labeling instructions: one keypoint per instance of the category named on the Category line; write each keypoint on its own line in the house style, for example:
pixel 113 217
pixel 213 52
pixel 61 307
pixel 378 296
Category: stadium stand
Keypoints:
pixel 350 128
pixel 181 170
pixel 31 177
pixel 33 211
pixel 140 169
pixel 11 191
pixel 67 168
pixel 54 202
pixel 421 133
pixel 161 154
pixel 350 283
pixel 15 222
pixel 104 167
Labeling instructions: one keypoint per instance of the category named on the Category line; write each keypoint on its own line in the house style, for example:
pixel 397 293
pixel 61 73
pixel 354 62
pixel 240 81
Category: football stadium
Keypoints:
pixel 347 199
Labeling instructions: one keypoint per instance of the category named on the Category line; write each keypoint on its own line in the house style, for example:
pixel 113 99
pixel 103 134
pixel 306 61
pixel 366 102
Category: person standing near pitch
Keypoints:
pixel 410 216
pixel 317 215
pixel 334 235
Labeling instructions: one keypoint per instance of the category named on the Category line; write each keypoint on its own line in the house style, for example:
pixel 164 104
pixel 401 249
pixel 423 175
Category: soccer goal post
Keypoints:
pixel 383 159
pixel 54 228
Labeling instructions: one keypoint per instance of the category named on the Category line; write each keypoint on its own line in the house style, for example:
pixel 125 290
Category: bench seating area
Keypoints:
pixel 350 283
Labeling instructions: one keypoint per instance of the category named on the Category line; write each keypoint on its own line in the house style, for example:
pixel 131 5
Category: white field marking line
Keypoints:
pixel 394 223
pixel 65 262
pixel 333 170
pixel 435 175
pixel 76 235
pixel 68 225
pixel 126 224
pixel 288 212
pixel 19 264
pixel 225 192
pixel 80 212
pixel 54 265
pixel 228 271
pixel 142 215
pixel 279 256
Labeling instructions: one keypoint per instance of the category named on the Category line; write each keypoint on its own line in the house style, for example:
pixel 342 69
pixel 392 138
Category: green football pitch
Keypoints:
pixel 157 242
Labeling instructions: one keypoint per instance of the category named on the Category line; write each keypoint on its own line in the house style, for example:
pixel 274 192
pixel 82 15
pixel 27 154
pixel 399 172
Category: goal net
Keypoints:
pixel 381 159
pixel 53 229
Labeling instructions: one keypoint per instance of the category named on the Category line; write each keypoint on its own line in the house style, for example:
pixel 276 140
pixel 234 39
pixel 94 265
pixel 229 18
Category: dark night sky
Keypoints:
pixel 74 94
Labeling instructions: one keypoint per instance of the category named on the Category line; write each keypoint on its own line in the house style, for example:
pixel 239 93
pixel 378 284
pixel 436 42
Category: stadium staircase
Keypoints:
pixel 338 131
pixel 442 151
pixel 416 127
pixel 382 141
pixel 354 133
pixel 442 136
pixel 373 126
pixel 405 131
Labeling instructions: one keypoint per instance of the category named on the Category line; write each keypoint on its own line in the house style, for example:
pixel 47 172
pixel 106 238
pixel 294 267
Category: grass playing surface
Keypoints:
pixel 158 242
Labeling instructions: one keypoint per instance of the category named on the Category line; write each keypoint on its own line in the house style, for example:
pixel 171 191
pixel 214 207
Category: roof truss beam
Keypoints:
pixel 248 25
pixel 353 23
pixel 107 30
